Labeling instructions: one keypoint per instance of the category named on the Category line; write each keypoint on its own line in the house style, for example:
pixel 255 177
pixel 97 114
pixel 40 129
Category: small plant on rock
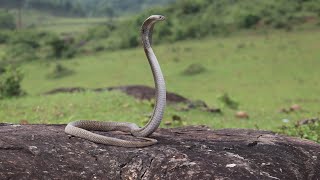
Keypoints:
pixel 308 129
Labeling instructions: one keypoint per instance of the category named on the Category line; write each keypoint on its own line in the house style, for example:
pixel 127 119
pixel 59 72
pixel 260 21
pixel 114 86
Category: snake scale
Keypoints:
pixel 81 128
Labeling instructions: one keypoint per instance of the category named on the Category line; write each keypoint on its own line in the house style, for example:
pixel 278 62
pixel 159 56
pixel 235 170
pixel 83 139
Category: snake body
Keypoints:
pixel 82 128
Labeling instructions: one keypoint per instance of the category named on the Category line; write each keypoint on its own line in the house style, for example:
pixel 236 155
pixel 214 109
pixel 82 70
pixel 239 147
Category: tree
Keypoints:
pixel 16 4
pixel 6 20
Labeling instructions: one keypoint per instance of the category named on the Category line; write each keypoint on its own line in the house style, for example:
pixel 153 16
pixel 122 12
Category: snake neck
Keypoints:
pixel 160 100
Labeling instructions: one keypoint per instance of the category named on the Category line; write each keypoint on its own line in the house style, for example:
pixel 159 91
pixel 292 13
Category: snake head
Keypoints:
pixel 147 28
pixel 156 18
pixel 151 20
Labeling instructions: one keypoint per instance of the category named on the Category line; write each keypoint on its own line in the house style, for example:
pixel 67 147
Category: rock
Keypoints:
pixel 65 90
pixel 23 122
pixel 284 110
pixel 308 121
pixel 242 115
pixel 194 69
pixel 214 110
pixel 295 107
pixel 46 152
pixel 197 104
pixel 176 118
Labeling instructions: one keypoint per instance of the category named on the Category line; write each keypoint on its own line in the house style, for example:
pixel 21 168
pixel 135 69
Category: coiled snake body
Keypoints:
pixel 82 128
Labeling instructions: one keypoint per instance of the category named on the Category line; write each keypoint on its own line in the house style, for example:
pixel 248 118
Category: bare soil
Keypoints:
pixel 142 92
pixel 137 91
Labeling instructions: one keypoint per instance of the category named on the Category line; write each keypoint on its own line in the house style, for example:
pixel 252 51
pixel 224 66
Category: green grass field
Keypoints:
pixel 262 72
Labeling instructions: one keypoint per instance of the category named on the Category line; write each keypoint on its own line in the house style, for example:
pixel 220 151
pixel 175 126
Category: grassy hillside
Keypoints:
pixel 185 20
pixel 263 73
pixel 119 8
pixel 263 55
pixel 189 19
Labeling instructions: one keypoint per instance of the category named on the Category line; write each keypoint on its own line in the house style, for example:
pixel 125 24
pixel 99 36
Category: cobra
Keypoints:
pixel 83 128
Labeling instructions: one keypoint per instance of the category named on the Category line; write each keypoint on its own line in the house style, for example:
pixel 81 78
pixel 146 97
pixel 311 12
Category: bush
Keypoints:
pixel 60 71
pixel 194 69
pixel 228 101
pixel 28 45
pixel 28 38
pixel 309 129
pixel 98 32
pixel 2 69
pixel 6 20
pixel 129 41
pixel 189 7
pixel 4 37
pixel 250 21
pixel 23 45
pixel 61 47
pixel 18 53
pixel 10 81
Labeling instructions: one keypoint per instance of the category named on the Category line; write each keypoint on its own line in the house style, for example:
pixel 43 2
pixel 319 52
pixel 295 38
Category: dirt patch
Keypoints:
pixel 46 152
pixel 143 93
pixel 65 90
pixel 137 91
pixel 147 93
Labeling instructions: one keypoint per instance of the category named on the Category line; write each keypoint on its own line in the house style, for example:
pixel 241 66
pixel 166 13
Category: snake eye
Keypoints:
pixel 161 17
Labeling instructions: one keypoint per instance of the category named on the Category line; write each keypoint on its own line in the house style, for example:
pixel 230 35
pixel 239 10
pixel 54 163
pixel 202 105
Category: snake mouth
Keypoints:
pixel 162 18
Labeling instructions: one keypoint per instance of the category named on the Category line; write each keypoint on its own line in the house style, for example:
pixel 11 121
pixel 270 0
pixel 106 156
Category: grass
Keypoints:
pixel 109 106
pixel 262 72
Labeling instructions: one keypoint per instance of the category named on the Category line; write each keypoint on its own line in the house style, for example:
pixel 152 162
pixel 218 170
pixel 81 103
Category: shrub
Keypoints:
pixel 189 7
pixel 250 21
pixel 17 53
pixel 228 101
pixel 280 24
pixel 59 71
pixel 24 45
pixel 10 81
pixel 28 45
pixel 309 130
pixel 4 37
pixel 61 47
pixel 6 20
pixel 2 69
pixel 98 32
pixel 194 69
pixel 129 41
pixel 29 38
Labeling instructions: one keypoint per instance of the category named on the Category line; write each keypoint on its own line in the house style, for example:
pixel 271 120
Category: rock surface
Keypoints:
pixel 46 152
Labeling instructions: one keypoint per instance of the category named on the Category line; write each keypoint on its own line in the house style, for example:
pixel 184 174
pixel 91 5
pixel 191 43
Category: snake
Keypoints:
pixel 83 128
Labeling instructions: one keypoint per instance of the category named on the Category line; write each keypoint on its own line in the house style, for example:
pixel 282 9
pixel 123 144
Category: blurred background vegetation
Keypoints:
pixel 255 57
